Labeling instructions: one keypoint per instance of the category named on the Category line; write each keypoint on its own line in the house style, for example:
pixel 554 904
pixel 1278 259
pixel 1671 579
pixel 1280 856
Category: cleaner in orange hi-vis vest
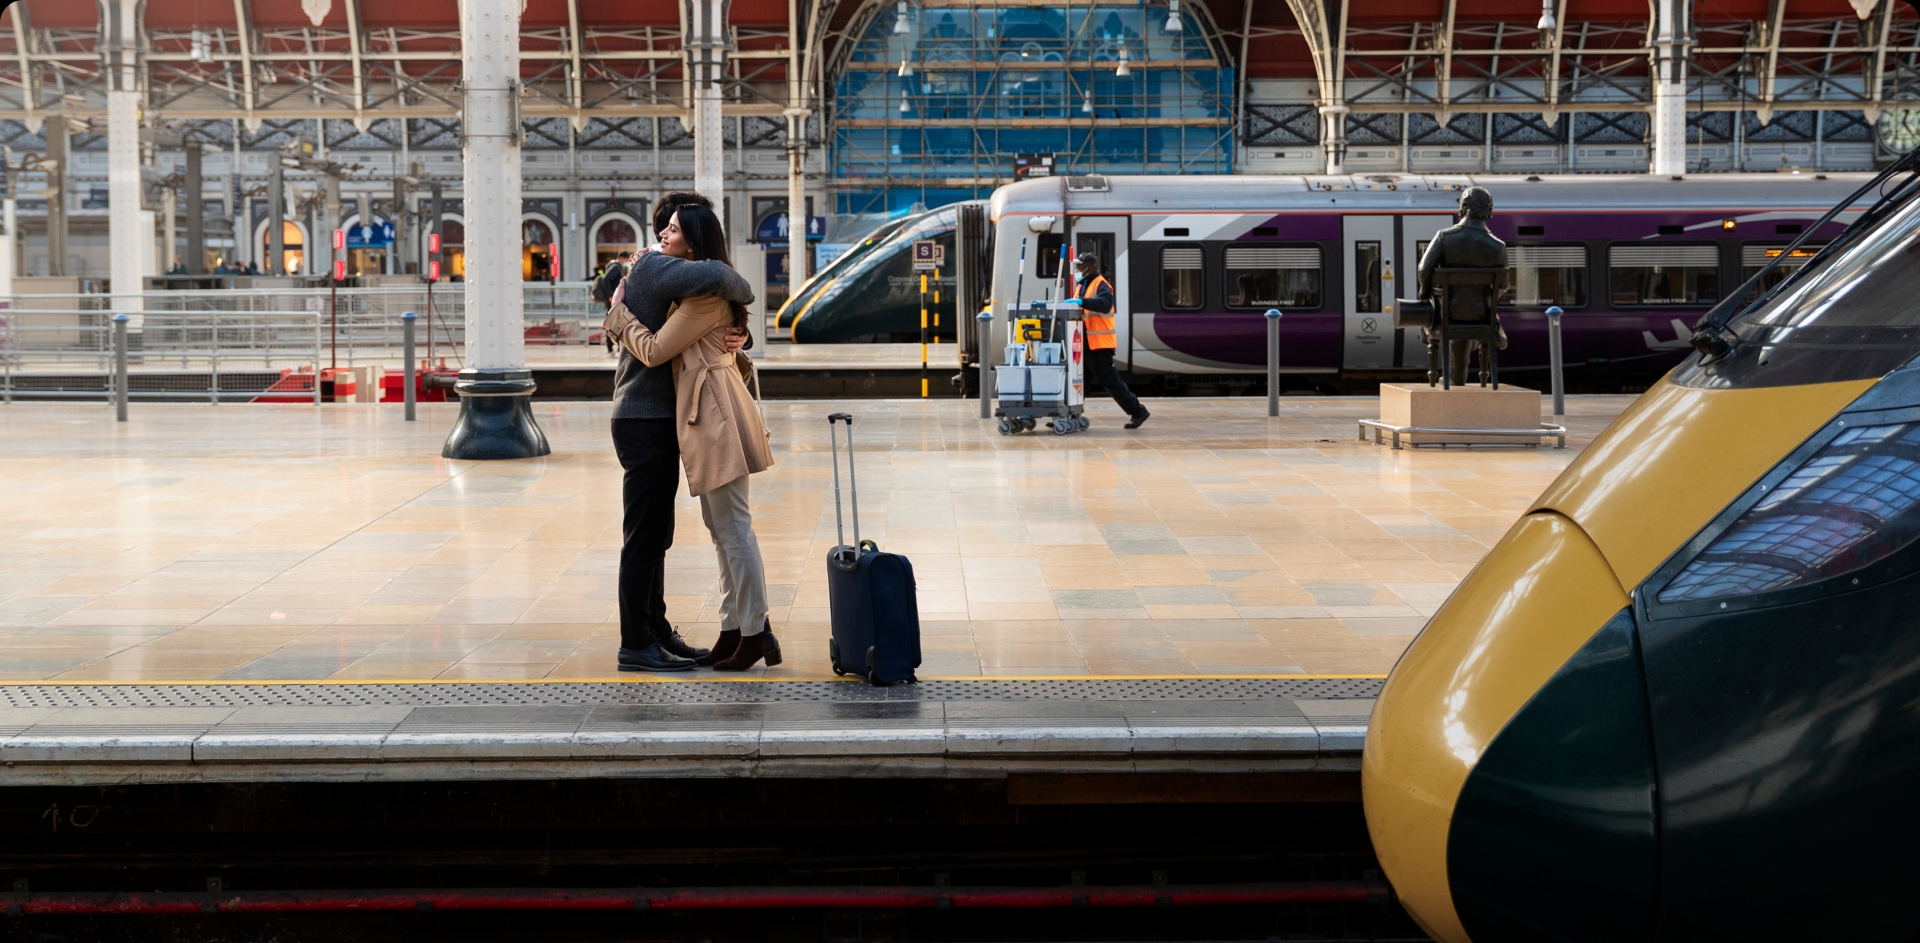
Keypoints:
pixel 1096 299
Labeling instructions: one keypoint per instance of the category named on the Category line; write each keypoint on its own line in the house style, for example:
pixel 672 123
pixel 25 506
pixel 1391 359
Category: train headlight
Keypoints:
pixel 1848 506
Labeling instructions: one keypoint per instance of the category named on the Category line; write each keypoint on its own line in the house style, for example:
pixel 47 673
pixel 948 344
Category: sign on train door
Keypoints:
pixel 1107 237
pixel 1370 248
pixel 1382 265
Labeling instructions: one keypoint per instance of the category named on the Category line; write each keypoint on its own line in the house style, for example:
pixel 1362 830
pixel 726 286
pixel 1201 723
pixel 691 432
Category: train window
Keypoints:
pixel 1848 506
pixel 1047 264
pixel 1366 276
pixel 1182 271
pixel 1753 258
pixel 1273 276
pixel 1538 276
pixel 1665 274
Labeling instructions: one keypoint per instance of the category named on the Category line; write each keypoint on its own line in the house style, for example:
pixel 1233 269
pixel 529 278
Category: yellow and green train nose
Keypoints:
pixel 1513 771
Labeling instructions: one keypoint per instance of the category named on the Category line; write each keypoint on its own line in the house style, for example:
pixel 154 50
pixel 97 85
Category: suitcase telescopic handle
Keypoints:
pixel 853 484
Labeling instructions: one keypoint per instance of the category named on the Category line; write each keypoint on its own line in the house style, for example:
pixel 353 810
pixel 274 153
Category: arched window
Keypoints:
pixel 614 236
pixel 293 249
pixel 536 251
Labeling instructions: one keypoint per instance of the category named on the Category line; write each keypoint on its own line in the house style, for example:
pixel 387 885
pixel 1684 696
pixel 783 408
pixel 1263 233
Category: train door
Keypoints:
pixel 1370 248
pixel 1107 237
pixel 1415 233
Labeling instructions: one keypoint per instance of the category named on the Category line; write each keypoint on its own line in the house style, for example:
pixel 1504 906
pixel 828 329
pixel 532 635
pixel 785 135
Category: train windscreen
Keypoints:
pixel 1869 285
pixel 877 296
pixel 835 269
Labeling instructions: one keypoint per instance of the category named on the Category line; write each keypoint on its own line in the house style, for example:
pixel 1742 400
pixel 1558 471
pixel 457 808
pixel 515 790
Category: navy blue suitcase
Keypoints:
pixel 876 616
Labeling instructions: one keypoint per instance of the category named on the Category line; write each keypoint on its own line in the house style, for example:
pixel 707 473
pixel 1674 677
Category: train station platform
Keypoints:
pixel 285 591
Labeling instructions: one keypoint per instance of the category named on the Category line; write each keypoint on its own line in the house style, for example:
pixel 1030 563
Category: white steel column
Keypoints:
pixel 490 66
pixel 1669 131
pixel 704 26
pixel 128 244
pixel 8 243
pixel 796 113
pixel 494 387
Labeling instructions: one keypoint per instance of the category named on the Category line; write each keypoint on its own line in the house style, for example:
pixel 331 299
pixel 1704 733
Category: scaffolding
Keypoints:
pixel 936 107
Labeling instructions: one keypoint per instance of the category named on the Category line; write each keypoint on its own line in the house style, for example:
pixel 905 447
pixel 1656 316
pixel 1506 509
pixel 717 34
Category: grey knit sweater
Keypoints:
pixel 654 283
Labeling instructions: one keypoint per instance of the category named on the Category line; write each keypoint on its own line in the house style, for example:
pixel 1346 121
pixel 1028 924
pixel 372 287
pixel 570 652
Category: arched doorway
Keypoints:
pixel 537 250
pixel 293 249
pixel 614 234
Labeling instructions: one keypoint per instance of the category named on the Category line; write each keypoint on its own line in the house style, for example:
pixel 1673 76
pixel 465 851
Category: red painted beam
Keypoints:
pixel 694 898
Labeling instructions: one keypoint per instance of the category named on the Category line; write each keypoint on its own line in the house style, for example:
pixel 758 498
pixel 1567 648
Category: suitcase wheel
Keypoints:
pixel 873 660
pixel 1006 427
pixel 833 656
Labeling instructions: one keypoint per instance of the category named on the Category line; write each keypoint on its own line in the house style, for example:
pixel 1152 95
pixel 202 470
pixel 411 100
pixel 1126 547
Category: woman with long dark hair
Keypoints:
pixel 722 438
pixel 645 439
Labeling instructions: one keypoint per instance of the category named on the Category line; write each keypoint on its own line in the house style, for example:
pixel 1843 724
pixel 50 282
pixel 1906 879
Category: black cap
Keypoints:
pixel 1088 258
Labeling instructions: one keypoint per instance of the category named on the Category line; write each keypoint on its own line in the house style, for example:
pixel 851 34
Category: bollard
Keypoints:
pixel 120 367
pixel 1554 363
pixel 406 326
pixel 1273 361
pixel 984 335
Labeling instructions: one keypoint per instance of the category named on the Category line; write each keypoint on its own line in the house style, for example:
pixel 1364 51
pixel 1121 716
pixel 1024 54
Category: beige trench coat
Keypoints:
pixel 721 434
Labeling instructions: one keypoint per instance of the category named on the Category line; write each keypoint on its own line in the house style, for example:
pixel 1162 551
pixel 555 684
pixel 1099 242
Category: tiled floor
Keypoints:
pixel 293 542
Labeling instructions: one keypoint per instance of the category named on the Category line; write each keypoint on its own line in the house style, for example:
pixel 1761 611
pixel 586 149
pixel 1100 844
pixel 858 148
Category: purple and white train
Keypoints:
pixel 1197 261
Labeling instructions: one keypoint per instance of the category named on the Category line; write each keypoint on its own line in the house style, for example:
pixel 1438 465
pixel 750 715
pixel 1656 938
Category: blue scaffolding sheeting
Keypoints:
pixel 937 112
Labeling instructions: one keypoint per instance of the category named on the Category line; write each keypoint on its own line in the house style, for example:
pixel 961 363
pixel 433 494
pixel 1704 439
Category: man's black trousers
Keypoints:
pixel 1100 365
pixel 649 450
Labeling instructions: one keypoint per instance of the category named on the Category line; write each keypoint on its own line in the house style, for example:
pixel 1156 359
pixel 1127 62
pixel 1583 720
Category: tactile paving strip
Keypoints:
pixel 609 692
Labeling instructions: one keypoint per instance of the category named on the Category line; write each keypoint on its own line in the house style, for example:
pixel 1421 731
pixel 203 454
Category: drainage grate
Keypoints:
pixel 569 694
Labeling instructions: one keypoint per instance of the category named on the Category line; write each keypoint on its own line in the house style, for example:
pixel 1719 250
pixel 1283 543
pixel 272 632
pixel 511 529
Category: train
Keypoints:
pixel 871 292
pixel 1196 261
pixel 1675 701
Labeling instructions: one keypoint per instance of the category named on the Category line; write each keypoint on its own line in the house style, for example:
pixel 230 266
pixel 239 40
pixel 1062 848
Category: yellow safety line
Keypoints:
pixel 849 679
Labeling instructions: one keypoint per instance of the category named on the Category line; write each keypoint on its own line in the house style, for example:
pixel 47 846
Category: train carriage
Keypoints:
pixel 1197 261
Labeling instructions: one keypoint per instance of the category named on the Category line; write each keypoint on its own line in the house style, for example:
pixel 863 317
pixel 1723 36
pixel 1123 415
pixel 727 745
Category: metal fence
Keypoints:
pixel 363 324
pixel 65 352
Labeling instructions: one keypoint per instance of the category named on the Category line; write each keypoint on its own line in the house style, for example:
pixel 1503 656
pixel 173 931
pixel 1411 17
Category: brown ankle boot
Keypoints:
pixel 752 649
pixel 722 647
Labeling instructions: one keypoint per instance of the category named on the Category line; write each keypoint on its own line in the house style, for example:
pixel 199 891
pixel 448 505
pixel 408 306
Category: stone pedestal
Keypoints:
pixel 1463 407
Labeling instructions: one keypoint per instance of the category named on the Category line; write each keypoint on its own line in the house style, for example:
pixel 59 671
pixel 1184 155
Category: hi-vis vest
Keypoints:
pixel 1099 327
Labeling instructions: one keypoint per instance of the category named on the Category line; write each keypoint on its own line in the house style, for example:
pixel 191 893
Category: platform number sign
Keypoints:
pixel 927 255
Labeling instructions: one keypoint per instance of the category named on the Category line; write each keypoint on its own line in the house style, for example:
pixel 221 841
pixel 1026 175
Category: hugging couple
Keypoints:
pixel 680 393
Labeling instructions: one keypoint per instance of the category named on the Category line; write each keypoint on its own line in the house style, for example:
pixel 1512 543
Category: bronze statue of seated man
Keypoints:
pixel 1465 244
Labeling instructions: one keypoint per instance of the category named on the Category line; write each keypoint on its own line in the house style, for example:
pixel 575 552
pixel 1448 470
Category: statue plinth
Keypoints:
pixel 1508 408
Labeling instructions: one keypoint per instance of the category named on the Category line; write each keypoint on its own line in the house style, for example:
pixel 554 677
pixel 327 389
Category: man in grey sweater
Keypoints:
pixel 648 444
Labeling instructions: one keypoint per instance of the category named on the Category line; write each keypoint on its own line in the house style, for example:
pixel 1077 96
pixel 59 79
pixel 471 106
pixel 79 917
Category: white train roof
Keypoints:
pixel 1248 193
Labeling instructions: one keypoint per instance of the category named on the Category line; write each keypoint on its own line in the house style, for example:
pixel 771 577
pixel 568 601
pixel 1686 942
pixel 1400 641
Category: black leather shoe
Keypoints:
pixel 1139 418
pixel 653 658
pixel 678 646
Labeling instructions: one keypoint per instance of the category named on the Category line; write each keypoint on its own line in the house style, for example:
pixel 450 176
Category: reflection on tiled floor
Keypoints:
pixel 294 542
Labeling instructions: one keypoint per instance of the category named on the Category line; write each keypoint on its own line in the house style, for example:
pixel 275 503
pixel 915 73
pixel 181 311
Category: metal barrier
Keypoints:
pixel 368 319
pixel 71 353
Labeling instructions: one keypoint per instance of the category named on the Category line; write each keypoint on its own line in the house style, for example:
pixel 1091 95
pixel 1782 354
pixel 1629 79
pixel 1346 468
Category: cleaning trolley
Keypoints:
pixel 1042 373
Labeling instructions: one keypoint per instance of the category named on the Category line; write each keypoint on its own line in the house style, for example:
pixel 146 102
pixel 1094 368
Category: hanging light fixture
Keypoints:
pixel 1123 69
pixel 1173 16
pixel 1546 16
pixel 1086 105
pixel 900 26
pixel 200 49
pixel 906 67
pixel 905 109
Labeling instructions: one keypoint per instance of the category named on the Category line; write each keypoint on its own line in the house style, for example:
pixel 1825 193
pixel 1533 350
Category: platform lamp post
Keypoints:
pixel 1273 361
pixel 1554 362
pixel 495 387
